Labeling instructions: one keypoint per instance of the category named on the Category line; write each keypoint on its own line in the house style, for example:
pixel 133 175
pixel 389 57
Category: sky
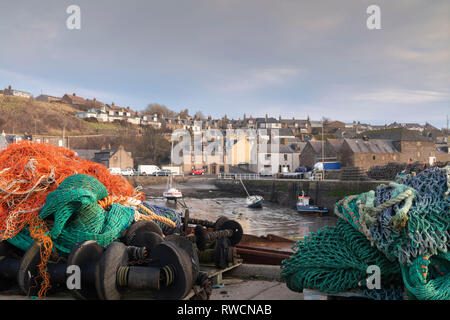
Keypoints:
pixel 289 58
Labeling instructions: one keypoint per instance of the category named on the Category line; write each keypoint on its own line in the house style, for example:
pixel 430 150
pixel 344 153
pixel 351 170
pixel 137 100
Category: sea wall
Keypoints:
pixel 284 192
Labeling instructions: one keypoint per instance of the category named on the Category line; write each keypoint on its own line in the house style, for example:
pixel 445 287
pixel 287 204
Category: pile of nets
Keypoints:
pixel 49 194
pixel 74 215
pixel 403 228
pixel 173 215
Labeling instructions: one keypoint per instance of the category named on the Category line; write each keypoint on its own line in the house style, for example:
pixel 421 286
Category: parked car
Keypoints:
pixel 303 169
pixel 162 173
pixel 196 172
pixel 266 173
pixel 128 172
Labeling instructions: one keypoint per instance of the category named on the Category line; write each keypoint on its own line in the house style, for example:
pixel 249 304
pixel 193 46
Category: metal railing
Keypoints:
pixel 239 176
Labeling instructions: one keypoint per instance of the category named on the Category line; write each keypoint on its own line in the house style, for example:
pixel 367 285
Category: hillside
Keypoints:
pixel 21 115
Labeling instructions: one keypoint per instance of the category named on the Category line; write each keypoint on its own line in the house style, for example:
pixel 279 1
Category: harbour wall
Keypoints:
pixel 281 191
pixel 284 192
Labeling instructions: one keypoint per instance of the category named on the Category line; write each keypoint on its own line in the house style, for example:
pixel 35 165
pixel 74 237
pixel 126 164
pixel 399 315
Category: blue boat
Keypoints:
pixel 303 206
pixel 254 201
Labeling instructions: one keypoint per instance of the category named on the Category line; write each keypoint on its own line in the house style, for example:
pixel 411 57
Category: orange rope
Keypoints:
pixel 38 231
pixel 153 216
pixel 29 171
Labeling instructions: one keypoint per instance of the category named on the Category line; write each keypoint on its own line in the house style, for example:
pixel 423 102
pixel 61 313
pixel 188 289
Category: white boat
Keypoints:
pixel 172 193
pixel 254 201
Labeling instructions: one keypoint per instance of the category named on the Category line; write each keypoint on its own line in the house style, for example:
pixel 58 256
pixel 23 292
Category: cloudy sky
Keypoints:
pixel 282 57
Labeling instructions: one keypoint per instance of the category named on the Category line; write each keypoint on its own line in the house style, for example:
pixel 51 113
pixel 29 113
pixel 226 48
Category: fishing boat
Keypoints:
pixel 171 193
pixel 252 201
pixel 303 206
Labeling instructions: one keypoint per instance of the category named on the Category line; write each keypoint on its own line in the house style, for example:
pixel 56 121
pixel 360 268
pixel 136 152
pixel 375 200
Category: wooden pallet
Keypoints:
pixel 214 274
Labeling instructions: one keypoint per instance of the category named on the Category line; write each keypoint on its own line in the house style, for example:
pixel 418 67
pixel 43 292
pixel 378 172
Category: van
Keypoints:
pixel 115 170
pixel 147 170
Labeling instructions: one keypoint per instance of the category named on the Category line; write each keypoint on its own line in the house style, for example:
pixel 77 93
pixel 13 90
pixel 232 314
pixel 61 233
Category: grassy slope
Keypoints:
pixel 21 115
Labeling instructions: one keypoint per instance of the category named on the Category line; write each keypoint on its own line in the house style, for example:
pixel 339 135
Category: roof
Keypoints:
pixel 294 121
pixel 316 145
pixel 86 154
pixel 275 148
pixel 76 98
pixel 269 120
pixel 371 146
pixel 396 134
pixel 336 144
pixel 282 132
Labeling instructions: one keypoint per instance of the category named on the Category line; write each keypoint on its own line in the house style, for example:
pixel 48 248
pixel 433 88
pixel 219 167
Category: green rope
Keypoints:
pixel 402 228
pixel 77 217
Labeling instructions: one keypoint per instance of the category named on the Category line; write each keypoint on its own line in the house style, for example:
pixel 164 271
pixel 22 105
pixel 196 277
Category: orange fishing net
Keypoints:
pixel 29 171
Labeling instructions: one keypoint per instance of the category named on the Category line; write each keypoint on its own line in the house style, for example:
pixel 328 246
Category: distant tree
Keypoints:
pixel 159 109
pixel 184 114
pixel 199 116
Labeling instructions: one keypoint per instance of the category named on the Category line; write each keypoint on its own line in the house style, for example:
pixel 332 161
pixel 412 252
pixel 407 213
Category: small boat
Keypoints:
pixel 172 193
pixel 254 201
pixel 303 206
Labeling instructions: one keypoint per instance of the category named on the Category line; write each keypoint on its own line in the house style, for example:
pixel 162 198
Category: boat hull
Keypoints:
pixel 256 204
pixel 172 195
pixel 311 209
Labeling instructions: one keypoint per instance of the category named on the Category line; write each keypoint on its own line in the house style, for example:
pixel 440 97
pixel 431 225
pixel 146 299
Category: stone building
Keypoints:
pixel 411 145
pixel 114 158
pixel 312 153
pixel 366 153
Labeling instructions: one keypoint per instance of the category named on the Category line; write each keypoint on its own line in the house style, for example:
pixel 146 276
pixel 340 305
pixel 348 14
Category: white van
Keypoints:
pixel 115 170
pixel 147 170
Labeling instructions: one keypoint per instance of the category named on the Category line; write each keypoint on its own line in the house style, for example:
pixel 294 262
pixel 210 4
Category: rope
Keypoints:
pixel 403 228
pixel 150 215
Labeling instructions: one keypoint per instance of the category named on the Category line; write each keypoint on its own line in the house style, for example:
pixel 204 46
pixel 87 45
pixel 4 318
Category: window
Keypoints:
pixel 285 157
pixel 268 156
pixel 373 157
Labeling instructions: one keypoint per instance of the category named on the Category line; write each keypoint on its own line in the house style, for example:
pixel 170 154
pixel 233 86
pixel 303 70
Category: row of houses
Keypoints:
pixel 285 152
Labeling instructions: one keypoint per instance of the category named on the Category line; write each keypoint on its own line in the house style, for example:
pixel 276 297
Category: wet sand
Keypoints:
pixel 205 202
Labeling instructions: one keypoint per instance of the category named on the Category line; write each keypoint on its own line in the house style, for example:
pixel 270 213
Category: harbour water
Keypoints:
pixel 270 219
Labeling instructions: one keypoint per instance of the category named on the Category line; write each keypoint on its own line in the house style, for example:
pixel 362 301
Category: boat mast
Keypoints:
pixel 171 155
pixel 240 179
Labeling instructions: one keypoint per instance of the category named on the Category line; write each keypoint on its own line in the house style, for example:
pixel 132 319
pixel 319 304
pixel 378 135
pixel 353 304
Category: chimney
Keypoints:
pixel 95 100
pixel 365 138
pixel 9 87
pixel 109 146
pixel 245 117
pixel 267 117
pixel 74 94
pixel 279 118
pixel 103 148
